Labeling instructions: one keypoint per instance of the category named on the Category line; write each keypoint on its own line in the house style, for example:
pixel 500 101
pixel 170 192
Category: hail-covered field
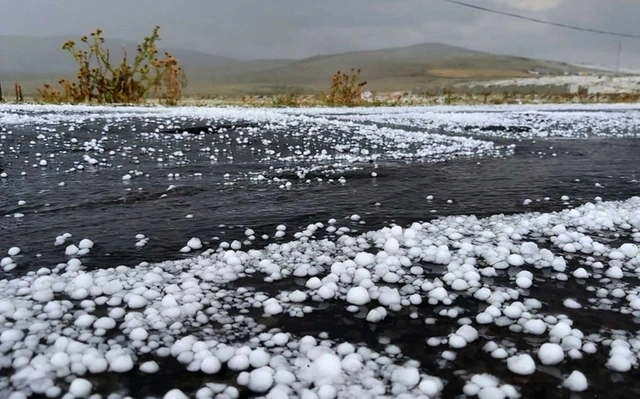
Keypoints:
pixel 320 253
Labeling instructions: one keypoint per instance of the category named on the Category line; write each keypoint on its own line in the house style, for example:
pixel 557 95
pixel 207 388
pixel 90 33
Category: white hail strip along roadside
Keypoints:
pixel 168 308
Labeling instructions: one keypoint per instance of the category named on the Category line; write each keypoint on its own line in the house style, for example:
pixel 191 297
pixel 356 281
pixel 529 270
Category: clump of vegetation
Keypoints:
pixel 346 89
pixel 291 99
pixel 19 96
pixel 99 80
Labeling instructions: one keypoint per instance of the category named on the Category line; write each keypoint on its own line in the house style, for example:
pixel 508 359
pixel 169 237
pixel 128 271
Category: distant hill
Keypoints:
pixel 35 60
pixel 406 67
pixel 29 55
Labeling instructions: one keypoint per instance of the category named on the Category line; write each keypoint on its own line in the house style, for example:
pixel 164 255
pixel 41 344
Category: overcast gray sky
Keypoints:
pixel 301 28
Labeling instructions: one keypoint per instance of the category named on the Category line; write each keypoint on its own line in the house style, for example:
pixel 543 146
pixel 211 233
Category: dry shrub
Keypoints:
pixel 291 99
pixel 19 96
pixel 346 89
pixel 101 81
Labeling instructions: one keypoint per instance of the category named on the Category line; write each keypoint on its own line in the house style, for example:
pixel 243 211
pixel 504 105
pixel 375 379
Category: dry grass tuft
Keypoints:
pixel 287 100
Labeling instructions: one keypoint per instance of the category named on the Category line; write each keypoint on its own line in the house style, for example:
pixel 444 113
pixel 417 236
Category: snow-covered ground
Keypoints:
pixel 605 84
pixel 63 327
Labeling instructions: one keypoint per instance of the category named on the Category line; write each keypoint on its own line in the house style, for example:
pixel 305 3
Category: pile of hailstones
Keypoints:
pixel 51 336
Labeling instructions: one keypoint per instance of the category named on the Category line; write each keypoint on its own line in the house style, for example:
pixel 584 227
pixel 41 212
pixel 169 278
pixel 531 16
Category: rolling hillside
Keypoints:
pixel 29 55
pixel 405 68
pixel 33 61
